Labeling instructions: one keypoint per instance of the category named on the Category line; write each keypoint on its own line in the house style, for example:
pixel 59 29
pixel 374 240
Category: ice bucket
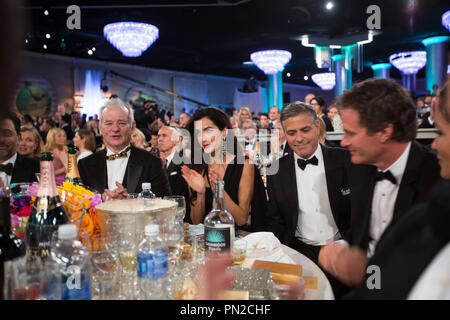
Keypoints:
pixel 113 214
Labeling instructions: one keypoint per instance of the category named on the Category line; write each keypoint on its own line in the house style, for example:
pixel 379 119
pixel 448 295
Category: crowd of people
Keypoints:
pixel 344 207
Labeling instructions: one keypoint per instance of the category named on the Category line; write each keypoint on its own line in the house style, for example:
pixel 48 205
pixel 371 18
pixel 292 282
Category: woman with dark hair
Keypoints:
pixel 216 155
pixel 319 105
pixel 84 140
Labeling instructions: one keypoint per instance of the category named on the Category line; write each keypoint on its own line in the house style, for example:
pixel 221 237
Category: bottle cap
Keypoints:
pixel 67 231
pixel 151 230
pixel 146 185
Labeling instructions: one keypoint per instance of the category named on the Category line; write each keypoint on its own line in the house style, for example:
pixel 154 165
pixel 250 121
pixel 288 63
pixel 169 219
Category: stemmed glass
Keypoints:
pixel 180 200
pixel 105 262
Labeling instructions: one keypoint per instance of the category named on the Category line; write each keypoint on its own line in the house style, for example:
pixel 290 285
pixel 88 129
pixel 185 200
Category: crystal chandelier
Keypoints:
pixel 271 61
pixel 131 38
pixel 409 62
pixel 446 20
pixel 326 80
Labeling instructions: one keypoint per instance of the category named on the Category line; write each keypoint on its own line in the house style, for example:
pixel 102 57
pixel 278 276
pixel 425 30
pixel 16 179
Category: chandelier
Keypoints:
pixel 446 20
pixel 326 80
pixel 271 61
pixel 131 38
pixel 409 62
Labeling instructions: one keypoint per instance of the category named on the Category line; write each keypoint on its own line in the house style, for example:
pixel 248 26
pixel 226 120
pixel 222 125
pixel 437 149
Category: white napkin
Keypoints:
pixel 262 241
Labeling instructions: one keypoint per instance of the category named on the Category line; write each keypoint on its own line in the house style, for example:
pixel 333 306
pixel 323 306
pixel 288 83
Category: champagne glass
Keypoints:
pixel 105 262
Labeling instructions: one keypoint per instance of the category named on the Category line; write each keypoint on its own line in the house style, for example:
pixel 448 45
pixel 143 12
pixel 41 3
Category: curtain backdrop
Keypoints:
pixel 189 88
pixel 256 101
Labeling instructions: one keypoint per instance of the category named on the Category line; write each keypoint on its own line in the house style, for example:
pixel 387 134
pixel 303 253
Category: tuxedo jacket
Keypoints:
pixel 421 173
pixel 25 169
pixel 142 167
pixel 407 248
pixel 178 185
pixel 283 208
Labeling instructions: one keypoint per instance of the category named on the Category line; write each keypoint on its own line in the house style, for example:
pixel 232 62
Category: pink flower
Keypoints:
pixel 24 211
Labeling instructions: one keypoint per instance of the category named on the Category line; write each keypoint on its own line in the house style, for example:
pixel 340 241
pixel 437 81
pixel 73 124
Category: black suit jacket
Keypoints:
pixel 178 184
pixel 282 212
pixel 25 169
pixel 421 173
pixel 405 250
pixel 142 167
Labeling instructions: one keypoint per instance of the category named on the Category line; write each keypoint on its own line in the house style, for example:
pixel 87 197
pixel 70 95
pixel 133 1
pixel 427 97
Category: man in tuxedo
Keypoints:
pixel 14 168
pixel 309 196
pixel 169 140
pixel 120 168
pixel 274 117
pixel 281 148
pixel 66 125
pixel 390 173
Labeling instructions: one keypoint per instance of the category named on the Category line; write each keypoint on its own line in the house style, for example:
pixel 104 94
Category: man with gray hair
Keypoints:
pixel 309 196
pixel 120 168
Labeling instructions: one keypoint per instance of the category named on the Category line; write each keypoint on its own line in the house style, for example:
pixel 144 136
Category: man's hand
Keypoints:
pixel 213 277
pixel 117 194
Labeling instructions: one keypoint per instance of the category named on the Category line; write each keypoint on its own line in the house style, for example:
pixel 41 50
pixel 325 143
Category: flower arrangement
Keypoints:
pixel 22 204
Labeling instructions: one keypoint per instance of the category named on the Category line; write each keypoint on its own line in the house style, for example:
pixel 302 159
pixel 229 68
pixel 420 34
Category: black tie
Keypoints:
pixel 302 163
pixel 386 175
pixel 122 154
pixel 7 168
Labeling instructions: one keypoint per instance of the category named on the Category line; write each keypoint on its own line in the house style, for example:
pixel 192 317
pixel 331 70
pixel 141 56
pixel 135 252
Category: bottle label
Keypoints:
pixel 218 238
pixel 152 265
pixel 76 287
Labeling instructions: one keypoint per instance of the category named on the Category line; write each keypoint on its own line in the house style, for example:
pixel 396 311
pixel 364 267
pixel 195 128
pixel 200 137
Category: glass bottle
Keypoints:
pixel 47 212
pixel 73 175
pixel 219 224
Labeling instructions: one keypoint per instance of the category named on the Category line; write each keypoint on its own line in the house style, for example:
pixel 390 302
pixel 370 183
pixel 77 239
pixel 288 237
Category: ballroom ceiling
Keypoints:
pixel 218 36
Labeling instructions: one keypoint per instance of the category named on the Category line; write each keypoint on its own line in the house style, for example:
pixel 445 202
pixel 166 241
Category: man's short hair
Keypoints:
pixel 15 120
pixel 295 108
pixel 380 102
pixel 250 121
pixel 264 115
pixel 117 102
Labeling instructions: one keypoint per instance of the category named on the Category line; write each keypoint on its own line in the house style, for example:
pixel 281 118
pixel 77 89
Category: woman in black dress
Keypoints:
pixel 216 155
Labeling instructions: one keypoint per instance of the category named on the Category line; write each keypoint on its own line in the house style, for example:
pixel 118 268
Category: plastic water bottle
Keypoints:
pixel 73 261
pixel 152 265
pixel 147 191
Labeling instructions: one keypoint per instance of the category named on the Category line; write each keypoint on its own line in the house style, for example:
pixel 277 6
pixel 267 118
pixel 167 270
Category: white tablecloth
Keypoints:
pixel 285 254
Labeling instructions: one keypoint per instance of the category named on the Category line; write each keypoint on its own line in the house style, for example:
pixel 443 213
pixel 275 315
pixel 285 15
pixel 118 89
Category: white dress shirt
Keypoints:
pixel 316 225
pixel 383 201
pixel 116 168
pixel 83 155
pixel 434 283
pixel 170 157
pixel 5 177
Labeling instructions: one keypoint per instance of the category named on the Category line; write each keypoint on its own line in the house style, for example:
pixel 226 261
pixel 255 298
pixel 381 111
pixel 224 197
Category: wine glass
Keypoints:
pixel 23 278
pixel 105 262
pixel 180 200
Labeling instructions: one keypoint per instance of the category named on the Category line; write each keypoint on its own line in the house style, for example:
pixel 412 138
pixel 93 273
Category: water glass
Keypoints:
pixel 239 251
pixel 23 279
pixel 105 262
pixel 180 200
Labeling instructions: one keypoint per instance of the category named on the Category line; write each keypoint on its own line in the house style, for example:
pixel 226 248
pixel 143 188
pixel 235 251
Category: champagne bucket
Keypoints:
pixel 118 213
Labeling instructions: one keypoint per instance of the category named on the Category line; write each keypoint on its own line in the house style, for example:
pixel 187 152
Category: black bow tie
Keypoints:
pixel 386 175
pixel 7 168
pixel 302 163
pixel 122 154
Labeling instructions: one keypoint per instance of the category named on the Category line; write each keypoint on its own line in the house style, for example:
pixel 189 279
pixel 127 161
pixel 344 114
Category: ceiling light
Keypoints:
pixel 446 20
pixel 93 49
pixel 45 46
pixel 329 5
pixel 48 36
pixel 326 80
pixel 90 52
pixel 305 78
pixel 409 62
pixel 46 13
pixel 26 40
pixel 288 74
pixel 271 61
pixel 131 38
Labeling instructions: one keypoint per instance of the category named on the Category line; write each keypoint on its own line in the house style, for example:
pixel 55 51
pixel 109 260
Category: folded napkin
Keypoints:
pixel 262 240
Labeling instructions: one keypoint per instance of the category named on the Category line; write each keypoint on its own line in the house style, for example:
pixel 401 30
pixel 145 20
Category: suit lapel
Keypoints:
pixel 133 172
pixel 289 183
pixel 100 180
pixel 407 187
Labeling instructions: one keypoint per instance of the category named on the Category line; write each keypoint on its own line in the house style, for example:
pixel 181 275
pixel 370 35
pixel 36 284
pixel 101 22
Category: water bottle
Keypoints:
pixel 147 194
pixel 73 261
pixel 146 191
pixel 152 265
